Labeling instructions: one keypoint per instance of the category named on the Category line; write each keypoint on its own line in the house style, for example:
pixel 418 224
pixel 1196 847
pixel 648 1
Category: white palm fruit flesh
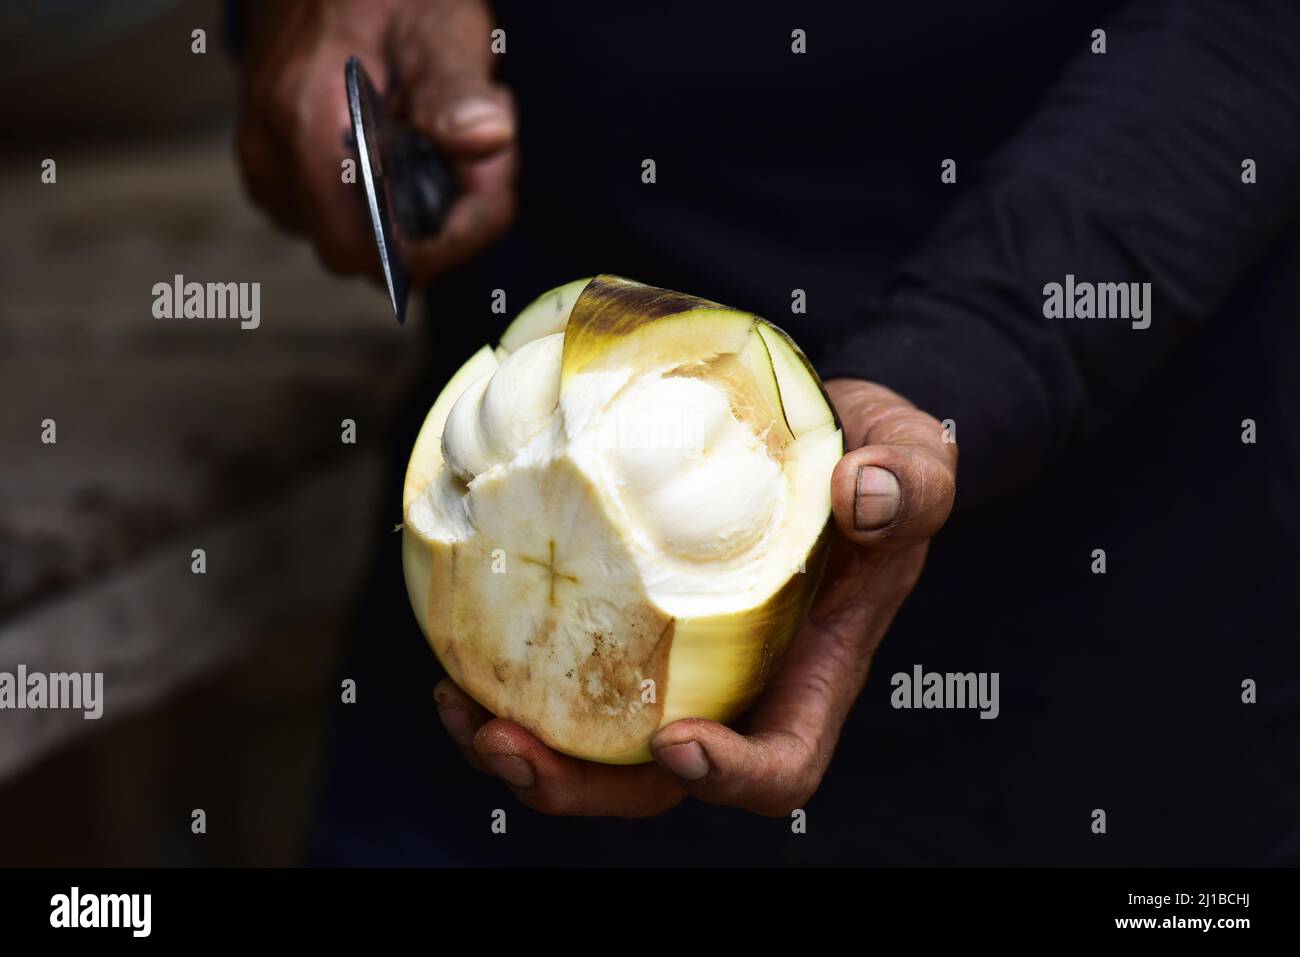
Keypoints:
pixel 618 517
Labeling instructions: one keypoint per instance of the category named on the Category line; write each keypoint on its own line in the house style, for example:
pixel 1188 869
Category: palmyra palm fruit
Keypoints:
pixel 617 518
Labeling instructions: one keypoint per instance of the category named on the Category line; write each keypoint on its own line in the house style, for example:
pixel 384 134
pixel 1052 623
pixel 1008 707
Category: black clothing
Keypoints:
pixel 821 171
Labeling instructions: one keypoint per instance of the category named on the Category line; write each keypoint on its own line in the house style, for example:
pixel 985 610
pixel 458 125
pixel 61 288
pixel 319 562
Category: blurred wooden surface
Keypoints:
pixel 244 742
pixel 175 435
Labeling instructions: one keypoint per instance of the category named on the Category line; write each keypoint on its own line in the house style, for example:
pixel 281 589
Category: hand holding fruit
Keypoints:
pixel 888 496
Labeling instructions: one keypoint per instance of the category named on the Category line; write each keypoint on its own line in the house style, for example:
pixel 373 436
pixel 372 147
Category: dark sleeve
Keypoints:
pixel 1129 170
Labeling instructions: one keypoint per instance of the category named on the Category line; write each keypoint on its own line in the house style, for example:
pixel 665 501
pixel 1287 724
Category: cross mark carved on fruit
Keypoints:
pixel 549 565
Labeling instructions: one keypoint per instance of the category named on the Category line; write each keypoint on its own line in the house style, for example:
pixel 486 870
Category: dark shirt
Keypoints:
pixel 821 171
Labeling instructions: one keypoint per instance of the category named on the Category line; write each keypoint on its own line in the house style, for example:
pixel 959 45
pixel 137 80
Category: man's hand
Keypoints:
pixel 890 494
pixel 294 120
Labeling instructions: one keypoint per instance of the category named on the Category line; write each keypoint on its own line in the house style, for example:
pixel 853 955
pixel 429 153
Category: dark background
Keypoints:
pixel 1119 691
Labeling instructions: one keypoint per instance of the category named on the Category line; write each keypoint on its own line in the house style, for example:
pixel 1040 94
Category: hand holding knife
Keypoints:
pixel 408 187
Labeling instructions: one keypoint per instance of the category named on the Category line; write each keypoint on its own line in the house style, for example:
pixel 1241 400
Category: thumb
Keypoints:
pixel 442 56
pixel 896 489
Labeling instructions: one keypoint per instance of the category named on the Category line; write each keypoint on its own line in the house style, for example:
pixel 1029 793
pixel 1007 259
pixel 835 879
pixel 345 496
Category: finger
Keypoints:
pixel 554 783
pixel 260 163
pixel 891 496
pixel 336 219
pixel 469 120
pixel 462 716
pixel 896 489
pixel 769 773
pixel 479 216
pixel 442 55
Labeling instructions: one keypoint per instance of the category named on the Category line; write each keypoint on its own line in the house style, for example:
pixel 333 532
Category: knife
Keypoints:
pixel 408 185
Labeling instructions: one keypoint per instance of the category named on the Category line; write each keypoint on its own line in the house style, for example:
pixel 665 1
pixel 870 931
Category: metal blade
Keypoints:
pixel 368 129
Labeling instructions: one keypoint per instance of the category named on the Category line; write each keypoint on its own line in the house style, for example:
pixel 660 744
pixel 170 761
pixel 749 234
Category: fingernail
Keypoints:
pixel 473 114
pixel 458 724
pixel 512 769
pixel 687 760
pixel 876 499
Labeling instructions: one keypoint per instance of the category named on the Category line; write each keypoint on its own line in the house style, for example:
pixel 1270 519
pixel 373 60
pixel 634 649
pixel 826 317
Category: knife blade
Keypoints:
pixel 408 186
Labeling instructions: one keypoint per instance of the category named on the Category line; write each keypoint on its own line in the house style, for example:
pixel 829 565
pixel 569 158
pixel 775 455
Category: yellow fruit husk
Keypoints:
pixel 530 580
